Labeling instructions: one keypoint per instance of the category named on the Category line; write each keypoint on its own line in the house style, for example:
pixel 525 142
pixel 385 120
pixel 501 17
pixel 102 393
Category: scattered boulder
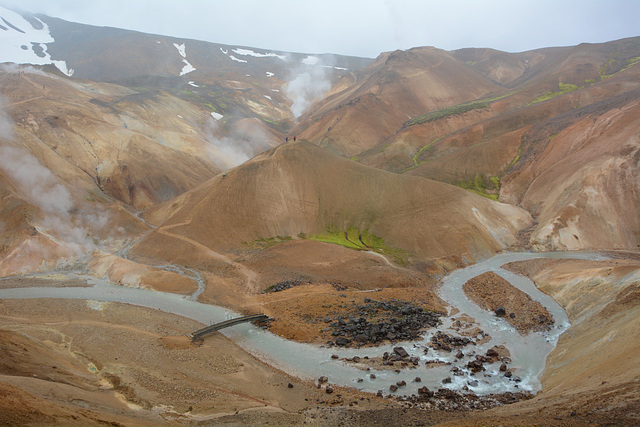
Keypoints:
pixel 322 380
pixel 342 341
pixel 475 366
pixel 492 353
pixel 442 341
pixel 393 387
pixel 328 389
pixel 400 351
pixel 424 391
pixel 500 311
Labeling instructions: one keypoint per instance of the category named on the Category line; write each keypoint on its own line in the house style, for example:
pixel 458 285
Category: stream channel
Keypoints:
pixel 528 353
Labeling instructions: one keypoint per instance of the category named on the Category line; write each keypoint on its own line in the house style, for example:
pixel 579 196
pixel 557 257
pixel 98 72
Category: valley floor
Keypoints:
pixel 84 362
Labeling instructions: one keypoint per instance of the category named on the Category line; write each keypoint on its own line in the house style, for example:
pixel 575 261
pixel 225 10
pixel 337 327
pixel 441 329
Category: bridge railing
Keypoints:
pixel 225 324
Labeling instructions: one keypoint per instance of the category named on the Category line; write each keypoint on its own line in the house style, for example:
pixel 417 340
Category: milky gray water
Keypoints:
pixel 528 353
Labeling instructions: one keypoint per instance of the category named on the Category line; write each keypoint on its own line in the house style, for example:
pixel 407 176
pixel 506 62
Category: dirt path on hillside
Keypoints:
pixel 250 275
pixel 21 102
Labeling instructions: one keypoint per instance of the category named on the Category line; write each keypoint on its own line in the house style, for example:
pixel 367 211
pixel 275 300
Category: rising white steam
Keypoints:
pixel 308 82
pixel 240 145
pixel 61 222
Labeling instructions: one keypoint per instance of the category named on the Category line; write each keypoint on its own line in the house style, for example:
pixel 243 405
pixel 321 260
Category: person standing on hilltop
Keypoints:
pixel 294 138
pixel 286 139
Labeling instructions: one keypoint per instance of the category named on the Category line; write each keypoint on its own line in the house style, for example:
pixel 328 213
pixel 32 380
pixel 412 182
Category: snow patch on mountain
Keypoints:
pixel 24 44
pixel 335 68
pixel 216 116
pixel 310 60
pixel 182 50
pixel 247 52
pixel 236 59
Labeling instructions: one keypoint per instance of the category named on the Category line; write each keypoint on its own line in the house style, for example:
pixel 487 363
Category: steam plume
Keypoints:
pixel 232 150
pixel 61 221
pixel 308 83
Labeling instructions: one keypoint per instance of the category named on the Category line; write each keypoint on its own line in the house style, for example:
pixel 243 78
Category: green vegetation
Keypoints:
pixel 480 184
pixel 268 242
pixel 612 63
pixel 449 111
pixel 351 239
pixel 562 89
pixel 362 241
pixel 422 150
pixel 479 104
pixel 515 160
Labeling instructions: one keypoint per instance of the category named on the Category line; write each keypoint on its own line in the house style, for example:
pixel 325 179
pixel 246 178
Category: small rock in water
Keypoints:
pixel 446 380
pixel 400 351
pixel 500 311
pixel 323 379
pixel 418 379
pixel 393 387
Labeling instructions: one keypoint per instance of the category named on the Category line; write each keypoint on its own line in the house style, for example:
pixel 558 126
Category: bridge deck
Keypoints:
pixel 227 323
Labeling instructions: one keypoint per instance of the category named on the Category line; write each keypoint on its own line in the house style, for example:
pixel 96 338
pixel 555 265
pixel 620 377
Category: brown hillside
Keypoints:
pixel 299 188
pixel 582 183
pixel 398 86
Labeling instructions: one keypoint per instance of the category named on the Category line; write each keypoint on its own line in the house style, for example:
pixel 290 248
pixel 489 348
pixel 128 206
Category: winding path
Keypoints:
pixel 250 275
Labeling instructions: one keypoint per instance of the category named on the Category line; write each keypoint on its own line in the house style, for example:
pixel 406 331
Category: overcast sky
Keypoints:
pixel 360 27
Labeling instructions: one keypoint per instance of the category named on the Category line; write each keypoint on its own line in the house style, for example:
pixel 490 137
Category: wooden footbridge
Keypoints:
pixel 227 323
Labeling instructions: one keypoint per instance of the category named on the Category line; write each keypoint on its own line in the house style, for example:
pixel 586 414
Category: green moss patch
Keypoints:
pixel 488 187
pixel 353 238
pixel 562 89
pixel 267 242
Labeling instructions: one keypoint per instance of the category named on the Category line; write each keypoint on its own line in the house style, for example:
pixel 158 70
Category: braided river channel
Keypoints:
pixel 527 353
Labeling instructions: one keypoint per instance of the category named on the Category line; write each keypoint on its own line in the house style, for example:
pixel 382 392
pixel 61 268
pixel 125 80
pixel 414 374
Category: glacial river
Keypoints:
pixel 528 353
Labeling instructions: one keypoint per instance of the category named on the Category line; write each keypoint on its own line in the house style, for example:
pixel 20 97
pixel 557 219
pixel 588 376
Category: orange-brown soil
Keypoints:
pixel 491 291
pixel 77 363
pixel 299 313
